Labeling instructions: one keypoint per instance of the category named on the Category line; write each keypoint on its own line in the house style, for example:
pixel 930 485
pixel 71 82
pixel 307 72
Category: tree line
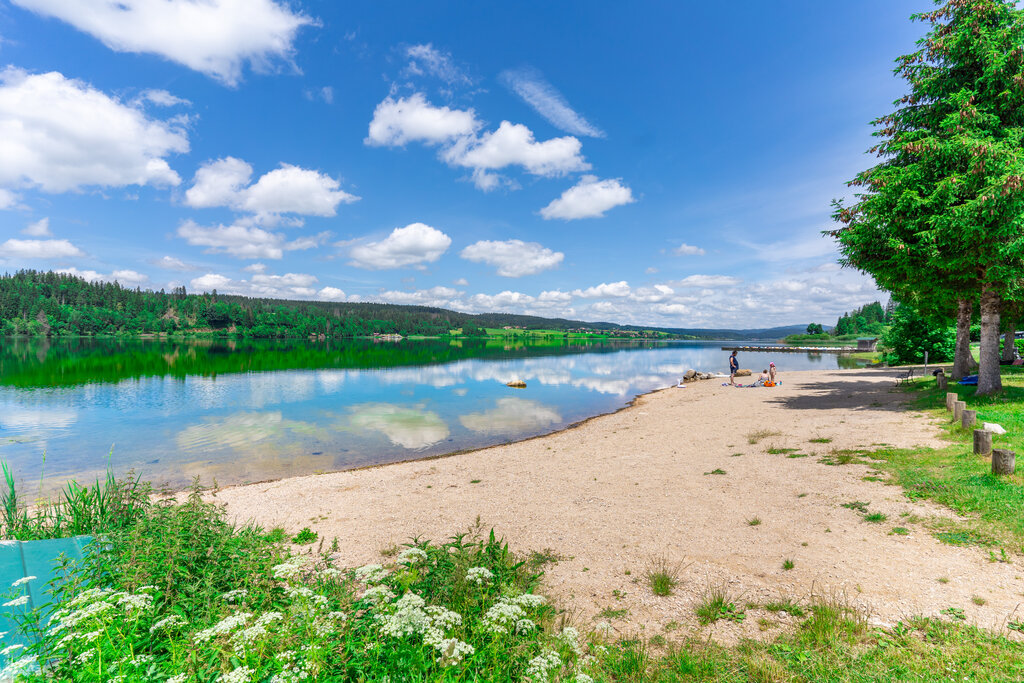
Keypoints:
pixel 939 221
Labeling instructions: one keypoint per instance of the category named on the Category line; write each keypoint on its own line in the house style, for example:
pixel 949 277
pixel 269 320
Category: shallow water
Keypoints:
pixel 238 412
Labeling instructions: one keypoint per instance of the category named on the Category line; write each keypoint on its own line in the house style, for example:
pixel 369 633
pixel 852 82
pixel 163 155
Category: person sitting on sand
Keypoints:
pixel 771 373
pixel 764 377
pixel 734 366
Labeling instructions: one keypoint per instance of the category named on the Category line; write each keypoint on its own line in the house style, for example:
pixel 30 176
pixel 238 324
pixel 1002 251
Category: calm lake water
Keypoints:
pixel 238 412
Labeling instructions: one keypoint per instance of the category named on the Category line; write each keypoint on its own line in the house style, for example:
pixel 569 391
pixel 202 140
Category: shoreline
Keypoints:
pixel 675 476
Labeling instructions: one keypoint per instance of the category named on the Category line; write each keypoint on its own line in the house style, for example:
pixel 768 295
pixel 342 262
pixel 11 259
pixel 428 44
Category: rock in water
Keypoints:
pixel 689 374
pixel 516 384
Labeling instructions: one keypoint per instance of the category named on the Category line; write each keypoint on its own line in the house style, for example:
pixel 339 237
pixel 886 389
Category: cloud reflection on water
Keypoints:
pixel 409 427
pixel 512 416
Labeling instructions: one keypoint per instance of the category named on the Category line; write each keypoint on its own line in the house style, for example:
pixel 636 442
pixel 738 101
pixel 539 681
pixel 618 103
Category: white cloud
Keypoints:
pixel 439 297
pixel 331 294
pixel 162 98
pixel 255 268
pixel 461 282
pixel 506 301
pixel 288 189
pixel 531 86
pixel 8 199
pixel 554 296
pixel 650 270
pixel 412 245
pixel 589 198
pixel 208 282
pixel 413 119
pixel 40 228
pixel 605 289
pixel 709 281
pixel 171 263
pixel 685 249
pixel 39 249
pixel 243 241
pixel 426 59
pixel 283 286
pixel 60 134
pixel 126 278
pixel 652 294
pixel 513 144
pixel 514 258
pixel 214 37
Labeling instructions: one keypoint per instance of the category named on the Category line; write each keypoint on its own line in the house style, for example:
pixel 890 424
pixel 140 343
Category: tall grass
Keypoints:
pixel 107 505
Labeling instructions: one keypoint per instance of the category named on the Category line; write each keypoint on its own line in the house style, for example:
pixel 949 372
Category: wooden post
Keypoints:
pixel 968 418
pixel 941 382
pixel 958 410
pixel 982 442
pixel 951 398
pixel 1003 462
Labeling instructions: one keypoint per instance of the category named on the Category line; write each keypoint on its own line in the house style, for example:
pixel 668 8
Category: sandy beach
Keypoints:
pixel 619 492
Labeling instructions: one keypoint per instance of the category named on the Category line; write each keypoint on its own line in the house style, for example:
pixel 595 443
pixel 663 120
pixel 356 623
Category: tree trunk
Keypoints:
pixel 989 381
pixel 1008 343
pixel 963 361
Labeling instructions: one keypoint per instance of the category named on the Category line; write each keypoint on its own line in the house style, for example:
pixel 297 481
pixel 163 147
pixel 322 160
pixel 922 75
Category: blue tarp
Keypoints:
pixel 969 380
pixel 19 559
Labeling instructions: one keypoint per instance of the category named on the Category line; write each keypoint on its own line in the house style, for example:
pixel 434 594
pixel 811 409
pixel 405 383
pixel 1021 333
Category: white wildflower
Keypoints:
pixel 583 678
pixel 11 648
pixel 180 678
pixel 337 616
pixel 411 556
pixel 291 568
pixel 147 587
pixel 167 622
pixel 371 573
pixel 90 636
pixel 240 675
pixel 529 600
pixel 525 625
pixel 138 601
pixel 14 669
pixel 378 594
pixel 231 596
pixel 23 580
pixel 453 650
pixel 603 627
pixel 331 573
pixel 90 611
pixel 502 616
pixel 225 625
pixel 17 602
pixel 541 666
pixel 85 656
pixel 571 637
pixel 479 575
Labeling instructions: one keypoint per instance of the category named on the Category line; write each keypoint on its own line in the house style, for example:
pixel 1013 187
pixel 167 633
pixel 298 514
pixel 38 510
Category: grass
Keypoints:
pixel 899 531
pixel 662 576
pixel 305 537
pixel 754 521
pixel 757 435
pixel 775 450
pixel 717 470
pixel 788 564
pixel 820 439
pixel 978 600
pixel 786 605
pixel 858 505
pixel 875 517
pixel 613 613
pixel 538 559
pixel 717 604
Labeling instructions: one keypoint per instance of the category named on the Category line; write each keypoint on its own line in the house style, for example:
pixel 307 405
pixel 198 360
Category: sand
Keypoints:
pixel 622 492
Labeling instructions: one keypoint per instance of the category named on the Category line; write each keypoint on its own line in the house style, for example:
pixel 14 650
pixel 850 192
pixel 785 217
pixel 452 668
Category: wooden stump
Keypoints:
pixel 1003 462
pixel 941 382
pixel 958 410
pixel 982 442
pixel 968 418
pixel 951 398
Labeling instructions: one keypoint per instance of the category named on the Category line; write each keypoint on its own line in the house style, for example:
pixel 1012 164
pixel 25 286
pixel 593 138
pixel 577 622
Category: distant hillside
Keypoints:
pixel 39 303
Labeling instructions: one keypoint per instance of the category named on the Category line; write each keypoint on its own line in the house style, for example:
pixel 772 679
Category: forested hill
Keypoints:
pixel 48 303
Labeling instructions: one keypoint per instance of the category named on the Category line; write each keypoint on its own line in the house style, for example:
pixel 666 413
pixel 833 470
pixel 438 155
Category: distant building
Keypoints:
pixel 867 343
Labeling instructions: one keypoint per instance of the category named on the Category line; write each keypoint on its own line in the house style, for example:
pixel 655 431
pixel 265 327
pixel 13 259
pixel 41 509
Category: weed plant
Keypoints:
pixel 662 577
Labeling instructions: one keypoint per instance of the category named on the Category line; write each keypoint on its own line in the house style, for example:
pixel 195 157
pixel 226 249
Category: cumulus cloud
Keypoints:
pixel 413 245
pixel 428 60
pixel 243 241
pixel 605 289
pixel 709 281
pixel 214 37
pixel 589 198
pixel 40 228
pixel 501 302
pixel 39 249
pixel 531 86
pixel 171 263
pixel 439 297
pixel 514 258
pixel 288 189
pixel 287 286
pixel 60 134
pixel 125 277
pixel 413 119
pixel 685 249
pixel 331 294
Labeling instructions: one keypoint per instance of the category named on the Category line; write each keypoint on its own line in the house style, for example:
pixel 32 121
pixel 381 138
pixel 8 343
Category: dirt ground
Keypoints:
pixel 622 492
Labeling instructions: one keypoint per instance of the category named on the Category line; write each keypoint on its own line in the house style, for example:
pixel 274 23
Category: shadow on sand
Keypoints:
pixel 852 390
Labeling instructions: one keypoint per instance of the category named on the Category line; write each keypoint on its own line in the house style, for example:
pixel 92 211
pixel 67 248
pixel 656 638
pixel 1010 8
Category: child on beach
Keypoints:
pixel 771 373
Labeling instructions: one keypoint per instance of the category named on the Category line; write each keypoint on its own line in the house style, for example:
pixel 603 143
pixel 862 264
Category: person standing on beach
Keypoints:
pixel 771 372
pixel 734 366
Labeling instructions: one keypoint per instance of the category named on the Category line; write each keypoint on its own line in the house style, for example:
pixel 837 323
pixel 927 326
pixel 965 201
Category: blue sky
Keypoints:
pixel 653 163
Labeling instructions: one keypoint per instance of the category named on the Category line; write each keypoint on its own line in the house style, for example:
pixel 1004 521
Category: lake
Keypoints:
pixel 235 412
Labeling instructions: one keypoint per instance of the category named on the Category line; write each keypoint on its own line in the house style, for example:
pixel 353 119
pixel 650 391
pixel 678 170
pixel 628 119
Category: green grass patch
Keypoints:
pixel 899 531
pixel 875 517
pixel 305 537
pixel 717 470
pixel 820 439
pixel 716 604
pixel 788 606
pixel 775 450
pixel 858 505
pixel 788 564
pixel 759 434
pixel 662 577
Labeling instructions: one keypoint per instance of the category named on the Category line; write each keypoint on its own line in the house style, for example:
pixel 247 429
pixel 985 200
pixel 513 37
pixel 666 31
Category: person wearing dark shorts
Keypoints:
pixel 734 366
